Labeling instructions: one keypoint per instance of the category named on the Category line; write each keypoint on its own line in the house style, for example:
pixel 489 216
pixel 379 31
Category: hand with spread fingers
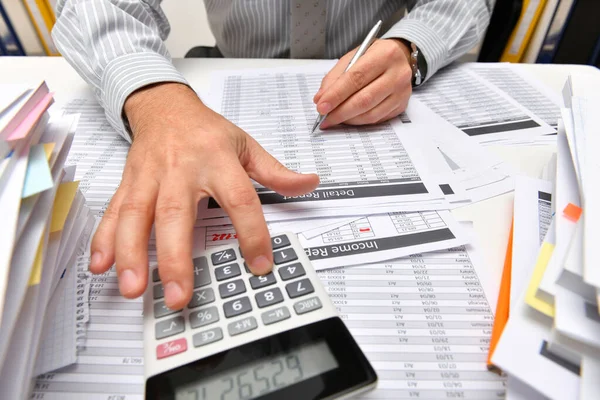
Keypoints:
pixel 182 152
pixel 375 89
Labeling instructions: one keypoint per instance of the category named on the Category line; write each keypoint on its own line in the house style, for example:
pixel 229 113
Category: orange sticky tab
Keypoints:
pixel 572 212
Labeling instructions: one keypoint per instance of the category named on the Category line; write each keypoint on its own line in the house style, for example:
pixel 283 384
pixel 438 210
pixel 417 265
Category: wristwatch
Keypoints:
pixel 417 64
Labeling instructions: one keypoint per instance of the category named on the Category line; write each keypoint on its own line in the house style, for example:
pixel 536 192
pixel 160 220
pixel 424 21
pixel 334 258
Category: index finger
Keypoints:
pixel 236 194
pixel 333 74
pixel 363 72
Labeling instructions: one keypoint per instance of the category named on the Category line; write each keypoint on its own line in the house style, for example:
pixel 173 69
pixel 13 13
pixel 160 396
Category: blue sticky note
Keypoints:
pixel 38 177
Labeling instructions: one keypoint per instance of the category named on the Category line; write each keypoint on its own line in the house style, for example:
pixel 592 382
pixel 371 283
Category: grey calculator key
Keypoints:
pixel 299 288
pixel 201 272
pixel 237 307
pixel 285 255
pixel 258 282
pixel 241 326
pixel 292 271
pixel 307 305
pixel 169 327
pixel 207 337
pixel 201 297
pixel 227 271
pixel 276 315
pixel 231 288
pixel 269 297
pixel 161 309
pixel 280 241
pixel 223 256
pixel 204 316
pixel 158 291
pixel 246 267
pixel 155 277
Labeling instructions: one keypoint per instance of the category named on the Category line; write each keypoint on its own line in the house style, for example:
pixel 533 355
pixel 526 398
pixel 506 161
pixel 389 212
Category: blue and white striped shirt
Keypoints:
pixel 117 46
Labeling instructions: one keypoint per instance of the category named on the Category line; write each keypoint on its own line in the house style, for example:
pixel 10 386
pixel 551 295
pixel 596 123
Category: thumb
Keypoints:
pixel 266 170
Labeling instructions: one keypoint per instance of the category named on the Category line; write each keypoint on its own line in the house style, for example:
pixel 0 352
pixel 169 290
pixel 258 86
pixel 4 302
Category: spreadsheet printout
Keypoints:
pixel 357 166
pixel 478 108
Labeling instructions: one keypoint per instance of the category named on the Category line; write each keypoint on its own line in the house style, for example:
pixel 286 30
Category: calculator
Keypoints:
pixel 276 336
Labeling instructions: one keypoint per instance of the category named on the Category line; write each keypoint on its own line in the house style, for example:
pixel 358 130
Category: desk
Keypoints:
pixel 491 217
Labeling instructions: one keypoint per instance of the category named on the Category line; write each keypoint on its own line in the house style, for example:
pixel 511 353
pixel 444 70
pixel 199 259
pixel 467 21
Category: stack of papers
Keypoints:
pixel 550 345
pixel 44 227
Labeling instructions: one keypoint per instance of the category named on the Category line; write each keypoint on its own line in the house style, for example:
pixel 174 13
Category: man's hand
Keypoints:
pixel 375 89
pixel 182 152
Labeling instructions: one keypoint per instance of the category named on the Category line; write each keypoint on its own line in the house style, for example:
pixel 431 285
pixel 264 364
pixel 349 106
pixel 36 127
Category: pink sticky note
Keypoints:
pixel 32 118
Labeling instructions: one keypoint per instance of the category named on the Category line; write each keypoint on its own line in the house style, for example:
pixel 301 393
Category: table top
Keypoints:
pixel 491 218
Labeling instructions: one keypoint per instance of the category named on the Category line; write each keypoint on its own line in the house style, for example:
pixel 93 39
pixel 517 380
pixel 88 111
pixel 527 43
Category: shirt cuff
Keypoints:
pixel 127 73
pixel 431 46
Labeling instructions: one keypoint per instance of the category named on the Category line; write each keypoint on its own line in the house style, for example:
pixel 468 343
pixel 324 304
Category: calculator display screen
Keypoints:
pixel 263 376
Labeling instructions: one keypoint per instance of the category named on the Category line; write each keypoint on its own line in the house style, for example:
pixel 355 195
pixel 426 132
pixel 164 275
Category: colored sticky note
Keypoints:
pixel 65 194
pixel 572 212
pixel 48 147
pixel 36 271
pixel 38 176
pixel 26 127
pixel 544 256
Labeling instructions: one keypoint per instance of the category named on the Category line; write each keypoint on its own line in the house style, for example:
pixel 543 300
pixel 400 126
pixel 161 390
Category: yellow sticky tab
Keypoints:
pixel 65 194
pixel 48 148
pixel 36 270
pixel 538 273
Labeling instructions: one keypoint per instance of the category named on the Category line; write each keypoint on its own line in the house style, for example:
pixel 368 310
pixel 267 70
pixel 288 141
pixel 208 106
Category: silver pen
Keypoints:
pixel 361 50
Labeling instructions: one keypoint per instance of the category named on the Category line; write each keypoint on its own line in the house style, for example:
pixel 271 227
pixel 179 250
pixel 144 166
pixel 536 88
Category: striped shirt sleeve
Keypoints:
pixel 443 30
pixel 117 47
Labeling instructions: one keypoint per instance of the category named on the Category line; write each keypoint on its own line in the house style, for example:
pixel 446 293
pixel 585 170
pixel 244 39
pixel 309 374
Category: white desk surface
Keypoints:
pixel 491 217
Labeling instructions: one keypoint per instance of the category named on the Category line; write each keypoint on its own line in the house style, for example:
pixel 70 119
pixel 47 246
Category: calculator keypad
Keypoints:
pixel 203 317
pixel 242 325
pixel 269 297
pixel 257 282
pixel 232 288
pixel 237 307
pixel 226 272
pixel 299 288
pixel 292 271
pixel 201 297
pixel 169 327
pixel 266 295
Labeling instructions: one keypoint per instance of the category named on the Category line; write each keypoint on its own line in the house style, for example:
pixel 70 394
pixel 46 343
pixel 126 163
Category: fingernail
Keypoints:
pixel 96 260
pixel 261 265
pixel 127 281
pixel 173 293
pixel 324 108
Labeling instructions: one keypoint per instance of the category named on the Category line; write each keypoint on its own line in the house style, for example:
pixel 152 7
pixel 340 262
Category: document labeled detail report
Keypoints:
pixel 358 166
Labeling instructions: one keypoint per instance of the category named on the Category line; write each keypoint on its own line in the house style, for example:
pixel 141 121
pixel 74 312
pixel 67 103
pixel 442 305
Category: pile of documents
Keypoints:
pixel 547 332
pixel 45 224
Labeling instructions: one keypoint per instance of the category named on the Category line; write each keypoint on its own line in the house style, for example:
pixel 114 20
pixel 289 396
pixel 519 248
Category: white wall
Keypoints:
pixel 189 26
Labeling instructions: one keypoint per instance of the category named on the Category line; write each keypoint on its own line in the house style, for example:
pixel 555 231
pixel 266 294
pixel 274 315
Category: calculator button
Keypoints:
pixel 291 271
pixel 308 305
pixel 285 255
pixel 241 326
pixel 201 297
pixel 280 241
pixel 231 288
pixel 169 327
pixel 171 348
pixel 237 307
pixel 201 273
pixel 208 336
pixel 155 277
pixel 269 297
pixel 223 256
pixel 258 282
pixel 276 315
pixel 158 291
pixel 226 272
pixel 203 317
pixel 246 267
pixel 161 309
pixel 299 288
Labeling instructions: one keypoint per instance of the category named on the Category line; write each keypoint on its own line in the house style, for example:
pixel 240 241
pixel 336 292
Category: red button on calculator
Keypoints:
pixel 171 348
